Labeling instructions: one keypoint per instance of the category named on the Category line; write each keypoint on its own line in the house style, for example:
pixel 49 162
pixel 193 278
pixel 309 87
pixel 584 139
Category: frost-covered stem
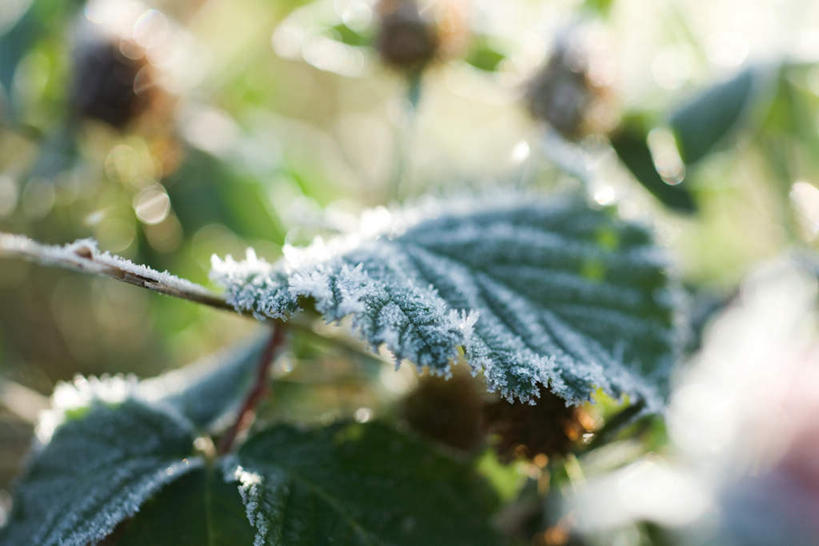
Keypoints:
pixel 85 257
pixel 247 410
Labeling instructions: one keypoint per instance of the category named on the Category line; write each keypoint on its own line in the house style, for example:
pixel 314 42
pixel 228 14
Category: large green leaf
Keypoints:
pixel 109 445
pixel 357 484
pixel 115 467
pixel 536 293
pixel 96 470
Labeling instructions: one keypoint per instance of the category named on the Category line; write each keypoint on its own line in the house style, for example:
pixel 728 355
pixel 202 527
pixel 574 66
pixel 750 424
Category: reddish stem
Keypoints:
pixel 258 389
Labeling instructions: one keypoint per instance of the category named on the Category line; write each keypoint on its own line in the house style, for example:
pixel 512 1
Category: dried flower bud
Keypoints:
pixel 571 92
pixel 407 39
pixel 112 81
pixel 547 428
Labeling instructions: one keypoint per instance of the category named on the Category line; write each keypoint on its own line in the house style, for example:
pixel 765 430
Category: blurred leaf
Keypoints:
pixel 600 7
pixel 483 55
pixel 207 190
pixel 40 18
pixel 96 470
pixel 208 390
pixel 704 303
pixel 348 36
pixel 702 122
pixel 631 146
pixel 14 43
pixel 536 293
pixel 199 508
pixel 58 152
pixel 359 484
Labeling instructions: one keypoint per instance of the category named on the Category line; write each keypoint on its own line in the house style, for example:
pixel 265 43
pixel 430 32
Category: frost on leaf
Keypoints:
pixel 104 460
pixel 109 444
pixel 535 293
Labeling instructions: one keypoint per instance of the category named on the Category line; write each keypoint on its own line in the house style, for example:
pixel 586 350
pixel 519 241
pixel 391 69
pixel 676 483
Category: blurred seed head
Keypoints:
pixel 112 81
pixel 407 38
pixel 572 91
pixel 447 411
pixel 548 428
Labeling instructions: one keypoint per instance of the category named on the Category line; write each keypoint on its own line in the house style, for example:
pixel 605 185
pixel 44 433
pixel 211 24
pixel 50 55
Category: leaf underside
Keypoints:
pixel 555 294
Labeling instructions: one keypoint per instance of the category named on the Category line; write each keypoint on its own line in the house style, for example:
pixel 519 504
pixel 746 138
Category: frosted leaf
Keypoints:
pixel 209 391
pixel 536 293
pixel 358 484
pixel 109 444
pixel 96 470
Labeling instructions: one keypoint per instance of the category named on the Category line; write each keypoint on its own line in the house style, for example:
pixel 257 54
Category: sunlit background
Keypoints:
pixel 173 130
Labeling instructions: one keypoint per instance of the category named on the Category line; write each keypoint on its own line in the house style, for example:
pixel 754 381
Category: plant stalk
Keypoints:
pixel 247 410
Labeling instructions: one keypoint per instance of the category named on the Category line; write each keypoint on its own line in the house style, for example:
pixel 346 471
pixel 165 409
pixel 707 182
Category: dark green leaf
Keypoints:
pixel 14 43
pixel 708 117
pixel 199 509
pixel 40 18
pixel 100 465
pixel 210 190
pixel 537 294
pixel 629 142
pixel 357 484
pixel 209 390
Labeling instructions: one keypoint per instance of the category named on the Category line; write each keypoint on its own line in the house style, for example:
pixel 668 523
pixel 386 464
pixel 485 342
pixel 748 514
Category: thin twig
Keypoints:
pixel 247 410
pixel 84 256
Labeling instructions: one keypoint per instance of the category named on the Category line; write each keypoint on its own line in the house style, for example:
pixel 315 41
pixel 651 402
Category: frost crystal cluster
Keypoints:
pixel 535 292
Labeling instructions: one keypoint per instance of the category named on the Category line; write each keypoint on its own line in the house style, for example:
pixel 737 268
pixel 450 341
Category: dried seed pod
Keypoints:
pixel 547 428
pixel 406 39
pixel 447 411
pixel 571 91
pixel 112 81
